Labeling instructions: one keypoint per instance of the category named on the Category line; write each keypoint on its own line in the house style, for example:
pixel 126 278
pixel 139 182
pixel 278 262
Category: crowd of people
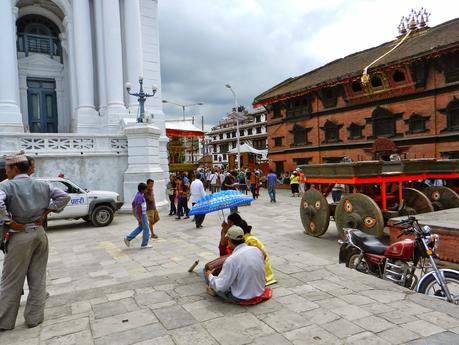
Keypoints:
pixel 245 270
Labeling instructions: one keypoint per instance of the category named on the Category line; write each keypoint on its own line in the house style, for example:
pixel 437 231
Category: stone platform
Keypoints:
pixel 104 293
pixel 444 223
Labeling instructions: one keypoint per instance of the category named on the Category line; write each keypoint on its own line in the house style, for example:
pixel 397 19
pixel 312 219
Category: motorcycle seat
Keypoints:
pixel 368 243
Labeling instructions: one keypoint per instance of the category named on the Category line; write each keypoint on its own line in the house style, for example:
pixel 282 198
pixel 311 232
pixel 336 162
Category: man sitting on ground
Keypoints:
pixel 242 277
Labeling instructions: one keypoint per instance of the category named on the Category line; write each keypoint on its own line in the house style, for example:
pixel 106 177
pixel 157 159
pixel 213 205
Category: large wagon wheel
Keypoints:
pixel 415 202
pixel 314 212
pixel 442 198
pixel 359 211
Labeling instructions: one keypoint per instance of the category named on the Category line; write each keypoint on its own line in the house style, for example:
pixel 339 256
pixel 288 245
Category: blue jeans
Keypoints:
pixel 272 193
pixel 142 227
pixel 182 206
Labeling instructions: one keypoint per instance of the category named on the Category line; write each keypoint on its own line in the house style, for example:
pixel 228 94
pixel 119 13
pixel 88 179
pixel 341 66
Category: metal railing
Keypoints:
pixel 31 43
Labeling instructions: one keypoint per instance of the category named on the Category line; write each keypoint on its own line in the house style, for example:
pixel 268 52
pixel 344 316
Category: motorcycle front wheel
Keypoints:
pixel 431 287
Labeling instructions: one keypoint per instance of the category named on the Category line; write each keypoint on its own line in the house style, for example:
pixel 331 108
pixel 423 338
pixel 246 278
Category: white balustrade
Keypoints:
pixel 64 144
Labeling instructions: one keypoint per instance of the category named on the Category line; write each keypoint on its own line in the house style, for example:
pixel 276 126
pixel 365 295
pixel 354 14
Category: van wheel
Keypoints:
pixel 102 215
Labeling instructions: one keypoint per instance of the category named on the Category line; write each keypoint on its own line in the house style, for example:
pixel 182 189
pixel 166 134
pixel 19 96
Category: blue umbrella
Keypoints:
pixel 219 201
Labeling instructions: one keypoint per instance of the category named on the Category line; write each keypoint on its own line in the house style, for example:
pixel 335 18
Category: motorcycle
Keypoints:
pixel 400 261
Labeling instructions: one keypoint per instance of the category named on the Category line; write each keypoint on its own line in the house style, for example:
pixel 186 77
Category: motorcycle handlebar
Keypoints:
pixel 409 221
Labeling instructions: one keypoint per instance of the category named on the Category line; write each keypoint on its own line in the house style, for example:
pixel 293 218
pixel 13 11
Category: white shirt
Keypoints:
pixel 243 273
pixel 197 190
pixel 213 178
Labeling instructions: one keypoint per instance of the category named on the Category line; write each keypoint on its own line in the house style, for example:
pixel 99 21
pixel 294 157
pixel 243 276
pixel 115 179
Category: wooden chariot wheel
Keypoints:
pixel 416 202
pixel 442 198
pixel 358 211
pixel 314 212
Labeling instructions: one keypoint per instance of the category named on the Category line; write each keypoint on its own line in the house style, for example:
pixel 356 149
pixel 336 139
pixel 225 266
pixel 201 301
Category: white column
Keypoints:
pixel 87 117
pixel 72 93
pixel 113 62
pixel 133 48
pixel 10 113
pixel 101 82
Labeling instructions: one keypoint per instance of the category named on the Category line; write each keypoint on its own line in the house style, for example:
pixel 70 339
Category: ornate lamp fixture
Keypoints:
pixel 141 98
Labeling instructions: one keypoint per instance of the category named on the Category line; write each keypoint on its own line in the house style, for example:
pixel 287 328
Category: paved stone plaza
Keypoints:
pixel 104 293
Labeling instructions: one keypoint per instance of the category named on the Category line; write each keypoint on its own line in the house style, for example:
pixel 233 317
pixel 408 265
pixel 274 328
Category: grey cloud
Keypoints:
pixel 205 46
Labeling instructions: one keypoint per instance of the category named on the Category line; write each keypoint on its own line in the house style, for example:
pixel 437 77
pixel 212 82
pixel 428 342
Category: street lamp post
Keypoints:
pixel 237 126
pixel 141 98
pixel 183 106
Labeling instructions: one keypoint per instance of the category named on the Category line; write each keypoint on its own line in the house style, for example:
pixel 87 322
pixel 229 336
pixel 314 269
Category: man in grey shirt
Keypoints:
pixel 24 203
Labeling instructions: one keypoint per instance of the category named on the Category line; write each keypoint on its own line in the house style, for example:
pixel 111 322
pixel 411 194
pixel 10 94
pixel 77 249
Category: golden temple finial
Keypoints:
pixel 414 21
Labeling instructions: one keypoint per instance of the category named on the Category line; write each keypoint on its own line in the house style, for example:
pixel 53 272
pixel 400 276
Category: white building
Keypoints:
pixel 63 67
pixel 223 137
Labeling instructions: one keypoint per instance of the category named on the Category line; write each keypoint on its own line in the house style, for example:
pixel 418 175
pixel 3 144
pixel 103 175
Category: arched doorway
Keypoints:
pixel 43 91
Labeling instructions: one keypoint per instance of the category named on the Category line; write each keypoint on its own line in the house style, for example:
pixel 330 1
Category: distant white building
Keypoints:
pixel 223 138
pixel 63 68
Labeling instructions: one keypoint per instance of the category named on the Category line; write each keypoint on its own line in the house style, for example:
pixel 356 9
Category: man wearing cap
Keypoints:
pixel 243 274
pixel 24 203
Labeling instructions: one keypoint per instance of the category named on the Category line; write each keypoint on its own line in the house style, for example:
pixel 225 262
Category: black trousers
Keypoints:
pixel 173 209
pixel 198 218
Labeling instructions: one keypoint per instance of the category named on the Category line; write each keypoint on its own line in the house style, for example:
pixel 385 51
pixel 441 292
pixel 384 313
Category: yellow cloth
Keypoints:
pixel 294 179
pixel 255 242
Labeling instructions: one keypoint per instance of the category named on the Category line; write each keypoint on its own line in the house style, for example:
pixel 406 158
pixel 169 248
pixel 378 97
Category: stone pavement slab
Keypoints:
pixel 102 292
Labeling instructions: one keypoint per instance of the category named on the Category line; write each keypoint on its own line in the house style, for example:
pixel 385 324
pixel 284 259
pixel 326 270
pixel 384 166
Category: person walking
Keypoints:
pixel 197 192
pixel 213 181
pixel 294 183
pixel 229 183
pixel 337 192
pixel 152 212
pixel 24 204
pixel 139 209
pixel 171 191
pixel 271 183
pixel 300 180
pixel 253 184
pixel 183 190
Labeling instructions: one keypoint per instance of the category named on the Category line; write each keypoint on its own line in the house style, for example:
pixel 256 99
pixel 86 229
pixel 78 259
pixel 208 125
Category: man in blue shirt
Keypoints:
pixel 271 183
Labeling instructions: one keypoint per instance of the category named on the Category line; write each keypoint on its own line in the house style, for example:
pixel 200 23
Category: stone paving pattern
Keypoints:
pixel 104 293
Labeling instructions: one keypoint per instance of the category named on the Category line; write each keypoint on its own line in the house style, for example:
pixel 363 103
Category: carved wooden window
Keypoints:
pixel 383 123
pixel 376 81
pixel 331 130
pixel 398 76
pixel 329 96
pixel 299 106
pixel 417 123
pixel 450 65
pixel 278 141
pixel 300 135
pixel 249 131
pixel 302 160
pixel 355 131
pixel 452 115
pixel 276 110
pixel 332 159
pixel 356 86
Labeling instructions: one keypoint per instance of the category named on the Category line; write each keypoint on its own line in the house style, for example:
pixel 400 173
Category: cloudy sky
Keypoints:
pixel 255 44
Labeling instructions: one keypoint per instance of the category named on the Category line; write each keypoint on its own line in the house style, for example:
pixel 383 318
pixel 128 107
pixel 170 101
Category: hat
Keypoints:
pixel 235 233
pixel 14 159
